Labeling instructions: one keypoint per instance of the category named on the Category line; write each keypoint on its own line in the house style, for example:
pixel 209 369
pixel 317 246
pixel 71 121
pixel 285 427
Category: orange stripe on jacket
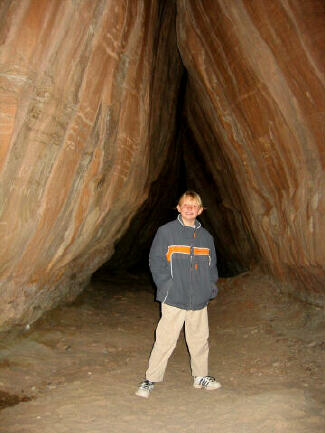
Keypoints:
pixel 182 249
pixel 201 251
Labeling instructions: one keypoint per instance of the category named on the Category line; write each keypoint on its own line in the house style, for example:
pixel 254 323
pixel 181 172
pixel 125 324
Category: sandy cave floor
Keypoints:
pixel 80 365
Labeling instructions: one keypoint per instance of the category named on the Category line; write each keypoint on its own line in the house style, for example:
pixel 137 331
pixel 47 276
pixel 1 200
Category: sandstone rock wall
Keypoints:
pixel 89 91
pixel 255 105
pixel 81 91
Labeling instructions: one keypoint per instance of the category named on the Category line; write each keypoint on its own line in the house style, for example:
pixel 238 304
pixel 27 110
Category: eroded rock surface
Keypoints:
pixel 255 108
pixel 87 92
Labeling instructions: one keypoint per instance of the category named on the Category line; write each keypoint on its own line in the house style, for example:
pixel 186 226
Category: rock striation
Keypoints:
pixel 97 119
pixel 255 109
pixel 85 89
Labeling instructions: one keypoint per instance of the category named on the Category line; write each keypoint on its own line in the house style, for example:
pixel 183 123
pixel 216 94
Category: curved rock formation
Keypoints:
pixel 86 89
pixel 255 106
pixel 89 92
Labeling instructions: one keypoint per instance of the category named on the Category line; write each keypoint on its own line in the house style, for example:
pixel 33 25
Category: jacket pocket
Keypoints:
pixel 202 286
pixel 164 290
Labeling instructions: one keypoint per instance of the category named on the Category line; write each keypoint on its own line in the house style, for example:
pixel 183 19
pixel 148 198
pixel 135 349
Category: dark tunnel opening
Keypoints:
pixel 132 249
pixel 180 173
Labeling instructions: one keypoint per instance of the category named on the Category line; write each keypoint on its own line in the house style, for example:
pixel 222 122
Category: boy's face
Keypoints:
pixel 189 210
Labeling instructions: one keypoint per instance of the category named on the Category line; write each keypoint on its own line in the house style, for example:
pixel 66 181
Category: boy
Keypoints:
pixel 182 261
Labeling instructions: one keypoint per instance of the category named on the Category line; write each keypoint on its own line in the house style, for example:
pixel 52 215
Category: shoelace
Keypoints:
pixel 206 380
pixel 146 385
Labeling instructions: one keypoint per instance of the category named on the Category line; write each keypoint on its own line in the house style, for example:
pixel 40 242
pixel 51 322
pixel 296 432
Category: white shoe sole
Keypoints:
pixel 208 388
pixel 143 394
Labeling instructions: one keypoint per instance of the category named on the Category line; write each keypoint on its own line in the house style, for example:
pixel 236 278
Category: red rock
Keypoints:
pixel 255 106
pixel 81 90
pixel 88 97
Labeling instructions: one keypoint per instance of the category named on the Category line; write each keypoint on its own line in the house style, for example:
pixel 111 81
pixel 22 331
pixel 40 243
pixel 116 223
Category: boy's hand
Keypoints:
pixel 214 291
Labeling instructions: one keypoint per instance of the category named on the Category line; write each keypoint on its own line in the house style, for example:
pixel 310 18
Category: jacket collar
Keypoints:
pixel 197 224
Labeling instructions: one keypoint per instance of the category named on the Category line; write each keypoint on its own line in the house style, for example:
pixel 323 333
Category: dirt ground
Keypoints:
pixel 77 369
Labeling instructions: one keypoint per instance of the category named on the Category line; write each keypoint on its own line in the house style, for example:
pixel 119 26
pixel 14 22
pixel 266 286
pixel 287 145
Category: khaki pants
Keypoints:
pixel 167 333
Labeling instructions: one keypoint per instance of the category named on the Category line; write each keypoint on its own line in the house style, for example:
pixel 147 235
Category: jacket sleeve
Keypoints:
pixel 213 271
pixel 159 266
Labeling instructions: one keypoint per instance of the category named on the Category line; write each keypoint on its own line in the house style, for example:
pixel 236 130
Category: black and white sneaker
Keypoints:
pixel 207 382
pixel 145 389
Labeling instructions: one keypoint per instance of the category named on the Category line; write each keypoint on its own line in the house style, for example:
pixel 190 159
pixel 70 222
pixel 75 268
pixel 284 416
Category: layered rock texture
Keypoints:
pixel 255 109
pixel 85 87
pixel 94 108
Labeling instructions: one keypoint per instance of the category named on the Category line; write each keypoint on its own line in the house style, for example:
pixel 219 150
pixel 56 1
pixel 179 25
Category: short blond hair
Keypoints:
pixel 192 195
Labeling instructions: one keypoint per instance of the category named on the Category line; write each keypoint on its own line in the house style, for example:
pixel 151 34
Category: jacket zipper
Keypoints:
pixel 191 269
pixel 191 272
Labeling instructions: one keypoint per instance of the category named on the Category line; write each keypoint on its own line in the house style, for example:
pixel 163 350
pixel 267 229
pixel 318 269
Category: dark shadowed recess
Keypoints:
pixel 184 166
pixel 132 249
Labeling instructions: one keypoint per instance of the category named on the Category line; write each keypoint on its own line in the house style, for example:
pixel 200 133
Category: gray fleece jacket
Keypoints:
pixel 183 261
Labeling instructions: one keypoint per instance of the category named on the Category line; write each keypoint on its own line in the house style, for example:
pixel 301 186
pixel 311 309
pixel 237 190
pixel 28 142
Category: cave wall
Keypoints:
pixel 89 100
pixel 131 251
pixel 87 93
pixel 255 108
